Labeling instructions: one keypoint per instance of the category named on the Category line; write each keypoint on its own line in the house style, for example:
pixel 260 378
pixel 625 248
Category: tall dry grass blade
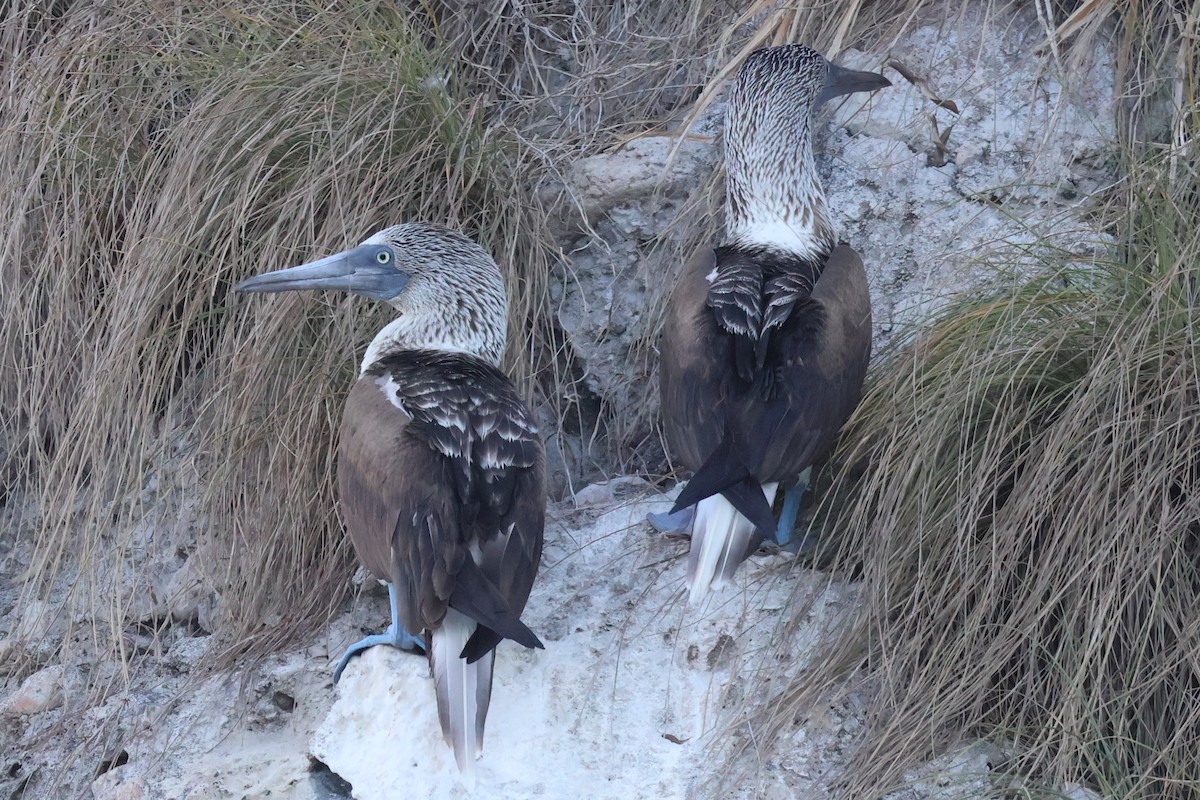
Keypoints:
pixel 1027 521
pixel 161 156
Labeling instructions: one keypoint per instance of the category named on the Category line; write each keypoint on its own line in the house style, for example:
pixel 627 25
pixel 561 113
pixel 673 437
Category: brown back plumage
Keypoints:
pixel 767 336
pixel 439 458
pixel 440 467
pixel 786 416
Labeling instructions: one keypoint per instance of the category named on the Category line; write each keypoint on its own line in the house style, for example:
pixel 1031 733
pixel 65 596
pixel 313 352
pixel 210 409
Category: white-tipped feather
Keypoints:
pixel 719 538
pixel 463 690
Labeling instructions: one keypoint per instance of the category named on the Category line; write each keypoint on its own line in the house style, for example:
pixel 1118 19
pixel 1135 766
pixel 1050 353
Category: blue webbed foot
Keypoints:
pixel 679 522
pixel 395 635
pixel 791 508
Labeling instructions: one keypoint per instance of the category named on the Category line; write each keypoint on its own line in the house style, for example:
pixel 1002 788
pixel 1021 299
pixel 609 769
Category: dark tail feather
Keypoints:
pixel 748 498
pixel 725 473
pixel 745 358
pixel 722 469
pixel 482 642
pixel 475 596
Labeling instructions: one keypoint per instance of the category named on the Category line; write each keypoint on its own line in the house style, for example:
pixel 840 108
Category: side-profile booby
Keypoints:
pixel 768 335
pixel 440 467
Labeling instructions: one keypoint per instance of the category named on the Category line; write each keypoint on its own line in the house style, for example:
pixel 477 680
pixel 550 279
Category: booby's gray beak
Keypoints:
pixel 840 81
pixel 369 270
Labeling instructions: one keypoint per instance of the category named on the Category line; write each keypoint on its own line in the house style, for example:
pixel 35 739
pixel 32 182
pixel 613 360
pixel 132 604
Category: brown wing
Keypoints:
pixel 815 362
pixel 441 474
pixel 821 356
pixel 371 449
pixel 695 366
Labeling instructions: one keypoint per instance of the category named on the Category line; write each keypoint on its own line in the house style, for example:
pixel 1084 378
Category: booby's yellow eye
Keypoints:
pixel 383 256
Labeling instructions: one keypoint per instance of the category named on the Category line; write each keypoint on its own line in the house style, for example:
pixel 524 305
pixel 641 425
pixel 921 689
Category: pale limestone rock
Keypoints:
pixel 1075 791
pixel 607 492
pixel 119 784
pixel 186 652
pixel 612 707
pixel 638 171
pixel 41 691
pixel 32 637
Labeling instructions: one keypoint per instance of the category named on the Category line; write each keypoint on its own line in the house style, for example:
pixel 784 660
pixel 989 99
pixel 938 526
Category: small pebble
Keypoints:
pixel 118 784
pixel 41 691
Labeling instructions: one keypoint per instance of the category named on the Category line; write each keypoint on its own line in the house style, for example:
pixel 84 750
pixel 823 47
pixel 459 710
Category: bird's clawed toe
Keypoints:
pixel 679 522
pixel 394 636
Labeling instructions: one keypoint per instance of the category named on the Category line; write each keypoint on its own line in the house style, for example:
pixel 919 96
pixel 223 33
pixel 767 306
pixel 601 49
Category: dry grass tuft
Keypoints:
pixel 1021 500
pixel 157 154
pixel 162 153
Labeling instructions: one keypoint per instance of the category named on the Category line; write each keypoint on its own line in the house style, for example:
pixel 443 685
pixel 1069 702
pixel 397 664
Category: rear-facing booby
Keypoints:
pixel 440 467
pixel 768 335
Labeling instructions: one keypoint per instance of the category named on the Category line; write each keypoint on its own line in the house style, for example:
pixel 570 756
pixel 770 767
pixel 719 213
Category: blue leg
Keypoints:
pixel 395 636
pixel 791 507
pixel 679 522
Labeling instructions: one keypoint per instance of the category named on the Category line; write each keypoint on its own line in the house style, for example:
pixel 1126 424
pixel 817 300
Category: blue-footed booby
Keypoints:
pixel 440 467
pixel 768 335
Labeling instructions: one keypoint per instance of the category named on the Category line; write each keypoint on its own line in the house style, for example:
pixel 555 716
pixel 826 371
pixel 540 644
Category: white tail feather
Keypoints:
pixel 463 690
pixel 719 539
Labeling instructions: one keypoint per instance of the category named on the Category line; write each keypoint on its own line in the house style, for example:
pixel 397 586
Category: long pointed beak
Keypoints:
pixel 840 81
pixel 367 270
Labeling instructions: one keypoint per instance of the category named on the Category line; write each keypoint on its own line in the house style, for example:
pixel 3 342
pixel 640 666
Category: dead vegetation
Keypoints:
pixel 1021 497
pixel 1026 528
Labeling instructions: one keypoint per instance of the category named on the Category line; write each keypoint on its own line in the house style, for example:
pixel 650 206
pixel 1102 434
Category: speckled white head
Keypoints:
pixel 454 300
pixel 775 198
pixel 447 289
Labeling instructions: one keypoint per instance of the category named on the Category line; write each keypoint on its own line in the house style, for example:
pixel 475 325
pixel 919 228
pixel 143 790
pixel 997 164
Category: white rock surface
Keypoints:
pixel 647 167
pixel 35 628
pixel 41 691
pixel 620 703
pixel 629 698
pixel 1027 149
pixel 119 784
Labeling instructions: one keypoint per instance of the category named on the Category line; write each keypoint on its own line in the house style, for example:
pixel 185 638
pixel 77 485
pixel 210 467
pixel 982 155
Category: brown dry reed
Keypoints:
pixel 156 153
pixel 1020 495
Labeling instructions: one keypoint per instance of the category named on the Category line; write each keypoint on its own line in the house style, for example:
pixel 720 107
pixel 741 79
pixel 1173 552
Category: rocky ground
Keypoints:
pixel 625 696
pixel 982 144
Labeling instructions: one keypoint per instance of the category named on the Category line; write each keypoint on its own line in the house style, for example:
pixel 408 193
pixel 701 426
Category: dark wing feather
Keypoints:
pixel 782 292
pixel 371 449
pixel 752 293
pixel 816 359
pixel 820 358
pixel 695 366
pixel 439 462
pixel 735 295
